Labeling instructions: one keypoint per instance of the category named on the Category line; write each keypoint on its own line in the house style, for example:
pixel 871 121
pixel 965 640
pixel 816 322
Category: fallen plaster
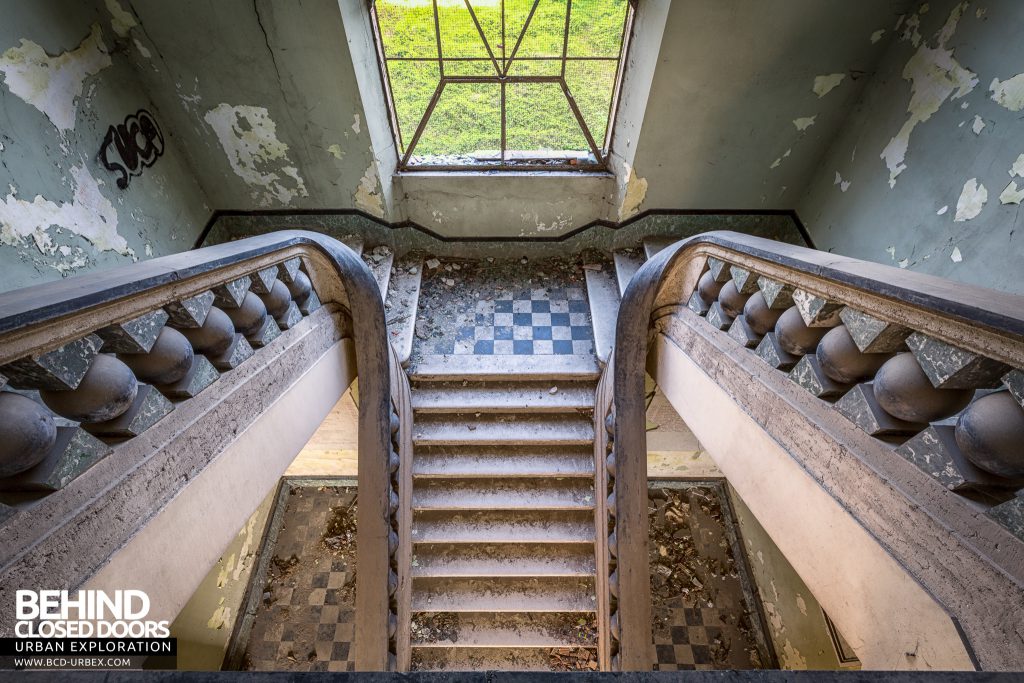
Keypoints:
pixel 249 138
pixel 934 77
pixel 52 84
pixel 367 195
pixel 1009 93
pixel 89 214
pixel 823 85
pixel 634 193
pixel 121 20
pixel 978 125
pixel 804 123
pixel 972 201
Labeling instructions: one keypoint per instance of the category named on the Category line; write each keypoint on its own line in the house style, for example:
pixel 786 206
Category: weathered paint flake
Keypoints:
pixel 978 125
pixel 53 84
pixel 249 138
pixel 972 201
pixel 804 123
pixel 89 214
pixel 122 21
pixel 877 35
pixel 955 256
pixel 367 195
pixel 1012 194
pixel 634 193
pixel 935 76
pixel 823 85
pixel 1009 93
pixel 336 151
pixel 844 185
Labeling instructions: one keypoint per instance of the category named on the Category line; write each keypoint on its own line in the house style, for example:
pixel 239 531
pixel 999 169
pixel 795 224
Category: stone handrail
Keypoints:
pixel 89 367
pixel 917 369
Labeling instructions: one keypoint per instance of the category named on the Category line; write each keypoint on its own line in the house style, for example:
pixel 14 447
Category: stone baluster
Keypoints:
pixel 187 314
pixel 394 466
pixel 211 331
pixel 299 285
pixel 268 330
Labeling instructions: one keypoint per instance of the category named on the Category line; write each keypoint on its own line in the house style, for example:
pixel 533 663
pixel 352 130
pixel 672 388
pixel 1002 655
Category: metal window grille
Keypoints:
pixel 502 84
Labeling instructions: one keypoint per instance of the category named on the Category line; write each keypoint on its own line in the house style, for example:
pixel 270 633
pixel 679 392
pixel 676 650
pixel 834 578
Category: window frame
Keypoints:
pixel 601 151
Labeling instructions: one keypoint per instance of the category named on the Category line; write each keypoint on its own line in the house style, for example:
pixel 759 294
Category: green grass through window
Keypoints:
pixel 467 119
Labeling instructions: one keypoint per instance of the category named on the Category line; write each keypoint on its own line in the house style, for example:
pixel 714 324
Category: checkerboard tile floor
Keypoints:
pixel 529 322
pixel 310 623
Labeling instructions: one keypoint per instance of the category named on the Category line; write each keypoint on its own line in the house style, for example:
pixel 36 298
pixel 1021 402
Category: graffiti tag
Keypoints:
pixel 132 146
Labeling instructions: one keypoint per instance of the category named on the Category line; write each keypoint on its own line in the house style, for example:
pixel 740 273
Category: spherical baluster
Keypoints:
pixel 794 336
pixel 168 360
pixel 904 391
pixel 990 432
pixel 277 300
pixel 249 317
pixel 842 361
pixel 759 316
pixel 27 433
pixel 106 391
pixel 300 287
pixel 731 300
pixel 708 288
pixel 215 336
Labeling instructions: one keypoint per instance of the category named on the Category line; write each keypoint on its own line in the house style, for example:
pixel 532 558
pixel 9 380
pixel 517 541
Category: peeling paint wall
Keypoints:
pixel 264 96
pixel 64 79
pixel 203 627
pixel 934 151
pixel 747 97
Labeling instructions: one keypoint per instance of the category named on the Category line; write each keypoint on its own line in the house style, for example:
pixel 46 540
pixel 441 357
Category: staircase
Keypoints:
pixel 503 568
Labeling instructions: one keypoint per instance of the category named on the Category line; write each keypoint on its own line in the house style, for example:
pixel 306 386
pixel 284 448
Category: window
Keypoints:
pixel 502 84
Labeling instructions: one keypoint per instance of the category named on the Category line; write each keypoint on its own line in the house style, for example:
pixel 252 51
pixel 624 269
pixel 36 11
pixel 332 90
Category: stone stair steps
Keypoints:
pixel 504 526
pixel 502 559
pixel 652 245
pixel 627 262
pixel 481 659
pixel 506 397
pixel 379 260
pixel 448 368
pixel 603 295
pixel 503 494
pixel 401 303
pixel 483 630
pixel 510 461
pixel 504 594
pixel 499 429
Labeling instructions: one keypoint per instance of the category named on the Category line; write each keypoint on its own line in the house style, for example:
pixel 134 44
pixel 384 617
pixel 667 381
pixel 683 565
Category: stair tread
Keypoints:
pixel 379 260
pixel 483 630
pixel 460 428
pixel 504 461
pixel 520 368
pixel 603 294
pixel 627 262
pixel 652 245
pixel 502 559
pixel 482 659
pixel 503 594
pixel 401 304
pixel 503 494
pixel 503 526
pixel 508 396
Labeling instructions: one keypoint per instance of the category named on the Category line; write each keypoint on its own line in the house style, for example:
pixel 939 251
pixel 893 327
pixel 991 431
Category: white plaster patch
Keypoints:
pixel 978 125
pixel 89 214
pixel 634 193
pixel 844 185
pixel 972 201
pixel 336 151
pixel 367 196
pixel 942 211
pixel 143 50
pixel 1011 194
pixel 249 138
pixel 121 20
pixel 53 84
pixel 955 256
pixel 801 605
pixel 1018 167
pixel 823 85
pixel 934 77
pixel 804 123
pixel 877 35
pixel 356 124
pixel 1009 93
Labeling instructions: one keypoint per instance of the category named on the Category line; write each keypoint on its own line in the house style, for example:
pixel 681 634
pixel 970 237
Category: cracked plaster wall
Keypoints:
pixel 727 124
pixel 932 155
pixel 65 76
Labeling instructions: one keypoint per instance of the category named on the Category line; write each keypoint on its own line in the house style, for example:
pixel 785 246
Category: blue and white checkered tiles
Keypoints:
pixel 528 322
